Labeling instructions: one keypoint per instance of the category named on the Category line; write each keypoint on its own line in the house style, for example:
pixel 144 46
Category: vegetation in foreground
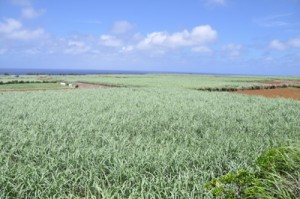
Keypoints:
pixel 134 142
pixel 277 175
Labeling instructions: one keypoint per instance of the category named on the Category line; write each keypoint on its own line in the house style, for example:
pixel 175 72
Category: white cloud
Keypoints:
pixel 24 34
pixel 219 2
pixel 203 34
pixel 268 59
pixel 155 38
pixel 30 13
pixel 279 20
pixel 202 49
pixel 280 45
pixel 27 12
pixel 120 27
pixel 199 36
pixel 10 25
pixel 127 49
pixel 197 40
pixel 295 42
pixel 32 51
pixel 76 47
pixel 234 50
pixel 13 29
pixel 215 2
pixel 110 41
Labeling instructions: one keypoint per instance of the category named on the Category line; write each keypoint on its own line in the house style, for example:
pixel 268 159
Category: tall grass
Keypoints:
pixel 133 142
pixel 276 175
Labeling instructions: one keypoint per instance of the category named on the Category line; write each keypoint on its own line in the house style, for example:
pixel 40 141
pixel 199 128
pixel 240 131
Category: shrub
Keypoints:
pixel 280 159
pixel 241 88
pixel 277 176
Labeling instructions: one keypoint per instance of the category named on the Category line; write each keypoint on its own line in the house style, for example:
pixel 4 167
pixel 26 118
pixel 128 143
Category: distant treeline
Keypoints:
pixel 26 82
pixel 255 87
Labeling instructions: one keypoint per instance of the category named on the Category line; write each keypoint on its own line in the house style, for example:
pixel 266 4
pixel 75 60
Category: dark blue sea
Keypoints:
pixel 28 71
pixel 36 71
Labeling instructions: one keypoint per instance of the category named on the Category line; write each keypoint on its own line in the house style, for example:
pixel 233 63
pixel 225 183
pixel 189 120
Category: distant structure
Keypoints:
pixel 69 84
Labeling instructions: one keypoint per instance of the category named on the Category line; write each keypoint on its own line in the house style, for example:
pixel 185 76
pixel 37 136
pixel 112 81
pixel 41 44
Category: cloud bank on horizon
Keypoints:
pixel 212 36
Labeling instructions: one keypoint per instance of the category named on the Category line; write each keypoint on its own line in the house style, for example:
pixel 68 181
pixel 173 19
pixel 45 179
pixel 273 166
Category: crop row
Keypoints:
pixel 26 82
pixel 255 87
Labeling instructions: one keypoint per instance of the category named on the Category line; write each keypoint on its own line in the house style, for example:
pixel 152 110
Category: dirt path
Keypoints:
pixel 291 93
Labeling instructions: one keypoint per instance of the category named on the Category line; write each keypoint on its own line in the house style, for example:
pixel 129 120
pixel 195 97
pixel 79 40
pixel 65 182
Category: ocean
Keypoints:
pixel 39 71
pixel 33 71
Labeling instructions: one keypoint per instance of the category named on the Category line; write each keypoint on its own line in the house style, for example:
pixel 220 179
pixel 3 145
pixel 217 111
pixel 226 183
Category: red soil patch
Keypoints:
pixel 291 93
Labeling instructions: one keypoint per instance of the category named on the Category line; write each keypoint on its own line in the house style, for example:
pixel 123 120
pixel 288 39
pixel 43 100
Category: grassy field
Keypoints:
pixel 169 81
pixel 151 141
pixel 7 78
pixel 26 86
pixel 156 80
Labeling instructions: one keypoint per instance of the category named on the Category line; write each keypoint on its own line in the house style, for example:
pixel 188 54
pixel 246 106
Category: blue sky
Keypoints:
pixel 209 36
